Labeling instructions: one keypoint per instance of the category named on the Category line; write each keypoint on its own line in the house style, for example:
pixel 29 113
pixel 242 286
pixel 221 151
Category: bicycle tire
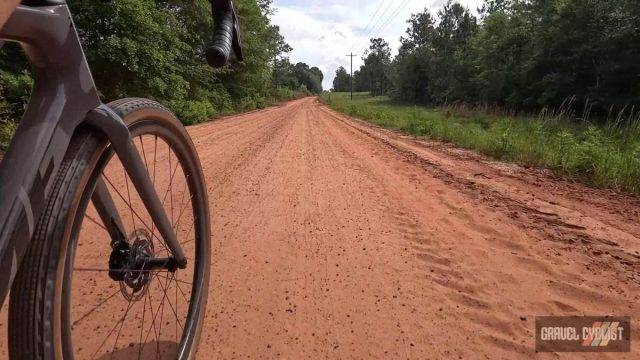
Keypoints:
pixel 39 310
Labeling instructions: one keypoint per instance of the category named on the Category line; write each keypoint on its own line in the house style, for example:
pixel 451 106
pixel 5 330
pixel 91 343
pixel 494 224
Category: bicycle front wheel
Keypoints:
pixel 69 300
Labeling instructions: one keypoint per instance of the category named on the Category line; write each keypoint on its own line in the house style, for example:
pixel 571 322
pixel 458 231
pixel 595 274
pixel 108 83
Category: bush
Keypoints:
pixel 15 89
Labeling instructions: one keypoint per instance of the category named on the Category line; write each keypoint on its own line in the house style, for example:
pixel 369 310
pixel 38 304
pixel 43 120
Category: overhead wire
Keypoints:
pixel 383 24
pixel 365 38
pixel 368 24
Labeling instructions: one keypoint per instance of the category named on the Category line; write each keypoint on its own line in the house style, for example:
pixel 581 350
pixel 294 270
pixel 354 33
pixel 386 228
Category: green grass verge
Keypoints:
pixel 603 156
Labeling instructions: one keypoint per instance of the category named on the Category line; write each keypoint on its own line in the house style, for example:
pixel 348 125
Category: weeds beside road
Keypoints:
pixel 603 156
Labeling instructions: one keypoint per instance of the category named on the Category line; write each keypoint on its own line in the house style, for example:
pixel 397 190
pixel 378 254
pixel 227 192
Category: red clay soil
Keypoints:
pixel 333 238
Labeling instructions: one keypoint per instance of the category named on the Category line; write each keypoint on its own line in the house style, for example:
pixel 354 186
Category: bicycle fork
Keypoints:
pixel 109 123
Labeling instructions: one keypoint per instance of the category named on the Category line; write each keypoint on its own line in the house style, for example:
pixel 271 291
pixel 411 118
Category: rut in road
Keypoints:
pixel 333 238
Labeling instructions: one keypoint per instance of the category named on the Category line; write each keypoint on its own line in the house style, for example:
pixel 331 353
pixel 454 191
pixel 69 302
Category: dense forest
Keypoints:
pixel 519 54
pixel 154 49
pixel 298 76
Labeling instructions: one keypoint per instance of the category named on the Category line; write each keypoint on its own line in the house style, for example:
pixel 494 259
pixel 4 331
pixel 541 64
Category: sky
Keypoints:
pixel 323 32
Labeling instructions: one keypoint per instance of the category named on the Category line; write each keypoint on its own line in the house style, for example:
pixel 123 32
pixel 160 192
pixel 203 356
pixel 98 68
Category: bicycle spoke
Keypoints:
pixel 95 222
pixel 172 174
pixel 189 233
pixel 164 198
pixel 127 325
pixel 188 241
pixel 144 311
pixel 184 191
pixel 136 213
pixel 179 281
pixel 184 296
pixel 144 155
pixel 165 290
pixel 115 345
pixel 161 313
pixel 153 321
pixel 155 153
pixel 95 308
pixel 112 329
pixel 175 227
pixel 177 308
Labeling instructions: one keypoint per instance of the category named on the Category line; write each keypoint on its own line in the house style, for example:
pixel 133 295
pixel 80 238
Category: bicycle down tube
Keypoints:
pixel 63 97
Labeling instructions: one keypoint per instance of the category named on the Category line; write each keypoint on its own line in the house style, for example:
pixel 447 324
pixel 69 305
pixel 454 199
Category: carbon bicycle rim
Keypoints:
pixel 146 314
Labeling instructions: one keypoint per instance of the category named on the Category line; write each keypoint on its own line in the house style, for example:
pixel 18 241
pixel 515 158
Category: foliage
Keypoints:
pixel 293 76
pixel 154 49
pixel 601 156
pixel 149 48
pixel 15 88
pixel 575 62
pixel 412 68
pixel 373 76
pixel 522 54
pixel 432 65
pixel 342 80
pixel 311 78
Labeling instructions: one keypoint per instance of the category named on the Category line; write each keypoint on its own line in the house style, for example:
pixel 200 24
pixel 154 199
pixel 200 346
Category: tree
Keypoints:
pixel 502 54
pixel 342 81
pixel 283 74
pixel 420 33
pixel 377 61
pixel 361 81
pixel 542 53
pixel 523 54
pixel 411 70
pixel 450 67
pixel 293 76
pixel 309 77
pixel 317 73
pixel 155 49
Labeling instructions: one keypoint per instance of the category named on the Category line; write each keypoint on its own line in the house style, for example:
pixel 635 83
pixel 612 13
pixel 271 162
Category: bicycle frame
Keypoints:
pixel 64 96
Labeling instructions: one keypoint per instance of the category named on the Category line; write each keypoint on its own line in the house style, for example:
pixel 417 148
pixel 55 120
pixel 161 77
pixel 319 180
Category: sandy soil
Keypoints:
pixel 337 239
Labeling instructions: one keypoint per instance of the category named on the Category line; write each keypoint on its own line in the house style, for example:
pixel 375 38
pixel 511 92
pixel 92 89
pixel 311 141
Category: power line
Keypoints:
pixel 375 30
pixel 387 21
pixel 366 28
pixel 365 38
pixel 384 26
pixel 368 23
pixel 395 14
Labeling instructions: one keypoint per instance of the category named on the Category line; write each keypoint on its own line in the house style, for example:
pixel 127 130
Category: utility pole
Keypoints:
pixel 351 78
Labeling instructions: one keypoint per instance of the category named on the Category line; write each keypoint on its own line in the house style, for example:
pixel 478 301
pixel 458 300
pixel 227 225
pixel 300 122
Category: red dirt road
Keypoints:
pixel 333 238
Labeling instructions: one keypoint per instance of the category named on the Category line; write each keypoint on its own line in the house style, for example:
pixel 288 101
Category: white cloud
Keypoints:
pixel 322 33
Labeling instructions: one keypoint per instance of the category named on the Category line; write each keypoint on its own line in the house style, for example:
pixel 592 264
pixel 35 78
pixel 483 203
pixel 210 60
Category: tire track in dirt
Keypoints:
pixel 554 221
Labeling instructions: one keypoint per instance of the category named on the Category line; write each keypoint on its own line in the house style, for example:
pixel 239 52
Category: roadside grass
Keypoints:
pixel 606 156
pixel 7 129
